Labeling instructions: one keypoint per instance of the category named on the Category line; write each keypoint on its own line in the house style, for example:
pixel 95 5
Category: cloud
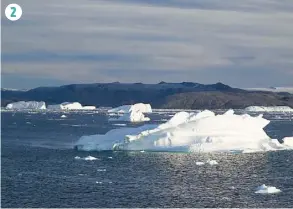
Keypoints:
pixel 194 40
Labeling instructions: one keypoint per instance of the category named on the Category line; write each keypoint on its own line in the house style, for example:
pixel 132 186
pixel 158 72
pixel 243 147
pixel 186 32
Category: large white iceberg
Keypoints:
pixel 269 109
pixel 132 117
pixel 66 106
pixel 201 132
pixel 22 105
pixel 139 107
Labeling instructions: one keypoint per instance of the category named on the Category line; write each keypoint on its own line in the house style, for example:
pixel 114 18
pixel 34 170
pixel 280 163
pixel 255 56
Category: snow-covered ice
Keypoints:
pixel 269 109
pixel 29 105
pixel 263 189
pixel 139 107
pixel 199 163
pixel 63 116
pixel 190 132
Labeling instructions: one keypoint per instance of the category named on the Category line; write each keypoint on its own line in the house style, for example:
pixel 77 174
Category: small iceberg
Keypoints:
pixel 212 162
pixel 139 107
pixel 90 158
pixel 199 163
pixel 263 189
pixel 99 182
pixel 132 117
pixel 63 116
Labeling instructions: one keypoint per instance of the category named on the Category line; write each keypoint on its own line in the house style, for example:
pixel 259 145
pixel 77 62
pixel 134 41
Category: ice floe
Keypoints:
pixel 269 109
pixel 190 132
pixel 263 189
pixel 29 105
pixel 199 163
pixel 63 116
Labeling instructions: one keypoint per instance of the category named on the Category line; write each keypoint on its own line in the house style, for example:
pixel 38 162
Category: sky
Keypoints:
pixel 242 43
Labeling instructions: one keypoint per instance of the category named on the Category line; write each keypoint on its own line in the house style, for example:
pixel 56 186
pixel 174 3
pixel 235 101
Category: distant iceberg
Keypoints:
pixel 132 117
pixel 190 132
pixel 269 109
pixel 131 113
pixel 88 107
pixel 66 106
pixel 29 105
pixel 139 107
pixel 263 189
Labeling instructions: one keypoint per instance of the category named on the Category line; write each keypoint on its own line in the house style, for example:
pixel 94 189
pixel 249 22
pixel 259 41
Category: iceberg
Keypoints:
pixel 88 107
pixel 263 189
pixel 66 106
pixel 269 109
pixel 132 117
pixel 190 132
pixel 88 158
pixel 29 105
pixel 139 107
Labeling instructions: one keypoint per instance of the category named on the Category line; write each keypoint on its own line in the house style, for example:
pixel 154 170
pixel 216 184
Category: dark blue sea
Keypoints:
pixel 39 169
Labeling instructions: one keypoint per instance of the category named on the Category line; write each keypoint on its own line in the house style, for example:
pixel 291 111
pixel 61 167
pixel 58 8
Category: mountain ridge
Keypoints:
pixel 185 95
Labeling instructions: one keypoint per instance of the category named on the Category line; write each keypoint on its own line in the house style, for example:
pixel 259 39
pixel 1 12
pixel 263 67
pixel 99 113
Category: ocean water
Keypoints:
pixel 39 169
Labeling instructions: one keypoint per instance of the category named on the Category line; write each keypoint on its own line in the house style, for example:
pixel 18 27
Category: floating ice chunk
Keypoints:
pixel 63 116
pixel 101 170
pixel 85 158
pixel 22 105
pixel 199 163
pixel 139 107
pixel 263 189
pixel 110 157
pixel 90 158
pixel 269 109
pixel 120 124
pixel 99 182
pixel 212 162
